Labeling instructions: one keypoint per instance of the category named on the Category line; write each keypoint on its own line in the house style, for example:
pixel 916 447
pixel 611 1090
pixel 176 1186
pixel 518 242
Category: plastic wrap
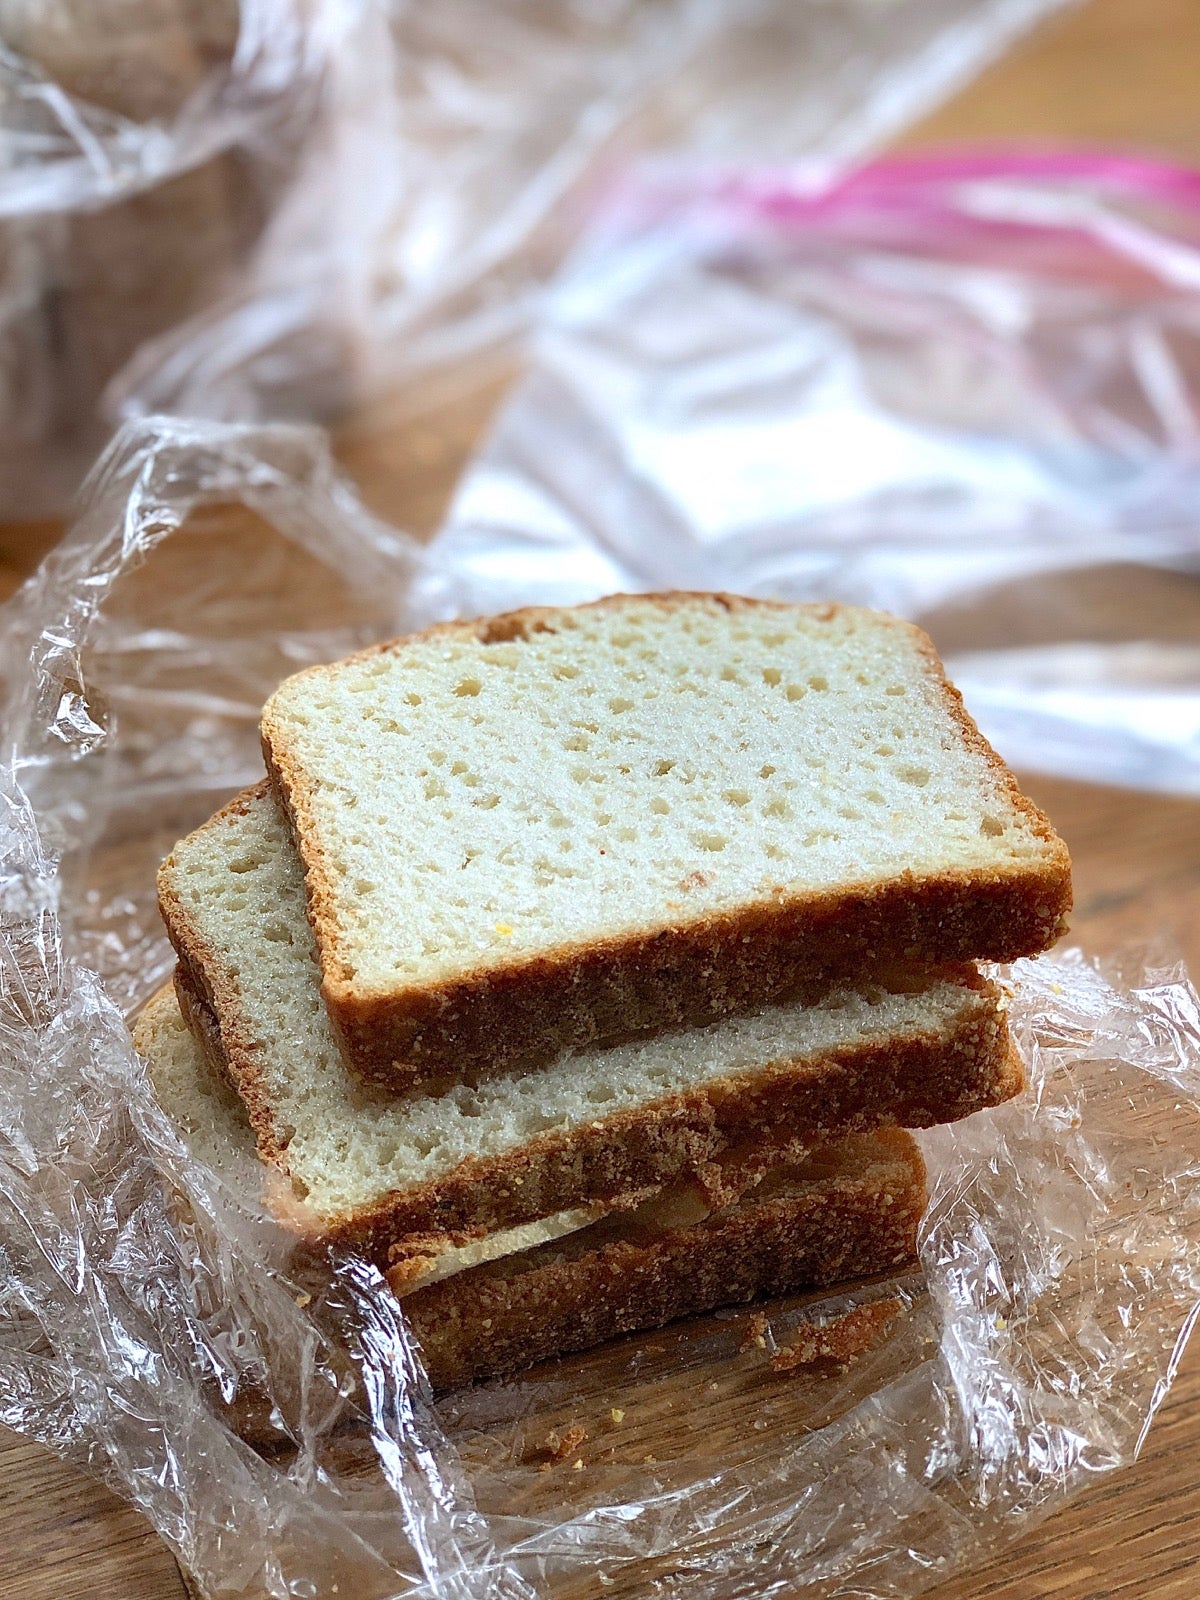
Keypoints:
pixel 144 147
pixel 267 1413
pixel 964 388
pixel 267 208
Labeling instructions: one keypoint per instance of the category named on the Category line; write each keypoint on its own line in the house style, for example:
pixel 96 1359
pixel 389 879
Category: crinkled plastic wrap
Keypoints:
pixel 144 147
pixel 269 1415
pixel 961 387
pixel 265 208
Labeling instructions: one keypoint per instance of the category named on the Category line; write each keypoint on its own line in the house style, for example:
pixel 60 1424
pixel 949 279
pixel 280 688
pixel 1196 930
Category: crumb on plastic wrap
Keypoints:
pixel 841 1340
pixel 758 1325
pixel 561 1446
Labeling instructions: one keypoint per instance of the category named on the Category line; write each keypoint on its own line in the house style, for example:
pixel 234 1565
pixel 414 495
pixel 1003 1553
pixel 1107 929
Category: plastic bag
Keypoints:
pixel 268 208
pixel 269 1416
pixel 957 387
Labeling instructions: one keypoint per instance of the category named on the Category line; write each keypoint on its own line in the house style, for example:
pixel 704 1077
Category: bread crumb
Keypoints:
pixel 755 1334
pixel 578 1466
pixel 560 1446
pixel 841 1341
pixel 303 1300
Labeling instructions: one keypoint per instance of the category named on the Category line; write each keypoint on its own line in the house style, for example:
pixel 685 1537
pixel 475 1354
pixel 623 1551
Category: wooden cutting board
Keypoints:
pixel 1119 71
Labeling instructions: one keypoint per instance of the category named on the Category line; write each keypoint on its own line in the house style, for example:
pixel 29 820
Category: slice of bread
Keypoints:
pixel 356 1163
pixel 561 827
pixel 849 1212
pixel 188 1075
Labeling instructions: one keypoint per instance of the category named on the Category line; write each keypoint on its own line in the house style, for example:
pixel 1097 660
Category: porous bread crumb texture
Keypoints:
pixel 857 1216
pixel 367 1167
pixel 209 1116
pixel 564 824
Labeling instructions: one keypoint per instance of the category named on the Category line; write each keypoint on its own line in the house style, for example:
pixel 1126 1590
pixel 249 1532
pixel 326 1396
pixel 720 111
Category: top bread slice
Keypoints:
pixel 542 830
pixel 357 1163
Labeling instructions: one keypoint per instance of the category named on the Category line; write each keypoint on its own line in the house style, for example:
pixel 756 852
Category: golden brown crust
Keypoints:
pixel 575 1294
pixel 916 1081
pixel 686 974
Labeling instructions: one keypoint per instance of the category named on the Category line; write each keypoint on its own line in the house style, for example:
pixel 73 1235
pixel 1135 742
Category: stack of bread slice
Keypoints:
pixel 582 966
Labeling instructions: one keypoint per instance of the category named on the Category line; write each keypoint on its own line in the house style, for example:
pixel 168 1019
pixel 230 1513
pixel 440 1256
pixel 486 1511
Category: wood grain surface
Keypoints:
pixel 1117 71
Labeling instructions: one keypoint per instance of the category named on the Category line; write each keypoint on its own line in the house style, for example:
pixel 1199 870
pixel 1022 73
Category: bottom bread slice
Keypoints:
pixel 850 1210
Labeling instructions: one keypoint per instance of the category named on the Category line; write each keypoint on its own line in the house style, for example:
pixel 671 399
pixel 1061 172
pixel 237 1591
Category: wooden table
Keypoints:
pixel 1123 71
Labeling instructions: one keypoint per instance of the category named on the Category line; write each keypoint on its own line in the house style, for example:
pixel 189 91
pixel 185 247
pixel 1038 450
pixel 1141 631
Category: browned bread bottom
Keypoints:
pixel 851 1210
